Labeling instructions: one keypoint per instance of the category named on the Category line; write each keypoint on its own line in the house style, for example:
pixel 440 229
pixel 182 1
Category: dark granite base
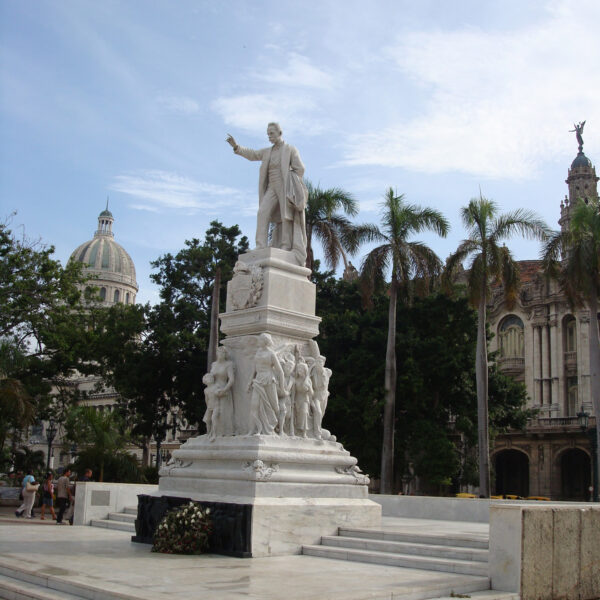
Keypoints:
pixel 232 523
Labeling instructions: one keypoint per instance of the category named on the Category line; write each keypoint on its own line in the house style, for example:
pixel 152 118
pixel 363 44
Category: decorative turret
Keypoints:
pixel 582 181
pixel 105 221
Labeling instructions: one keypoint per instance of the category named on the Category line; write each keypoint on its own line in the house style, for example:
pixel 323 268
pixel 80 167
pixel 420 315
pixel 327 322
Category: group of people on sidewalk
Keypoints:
pixel 63 489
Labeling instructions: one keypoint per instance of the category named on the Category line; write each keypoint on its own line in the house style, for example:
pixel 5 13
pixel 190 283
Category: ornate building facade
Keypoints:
pixel 544 343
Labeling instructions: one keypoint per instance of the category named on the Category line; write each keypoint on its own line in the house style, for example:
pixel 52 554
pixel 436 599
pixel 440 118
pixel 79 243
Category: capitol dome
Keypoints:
pixel 109 263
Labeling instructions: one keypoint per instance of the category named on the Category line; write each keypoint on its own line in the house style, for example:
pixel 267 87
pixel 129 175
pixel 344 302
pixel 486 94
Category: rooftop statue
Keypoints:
pixel 579 133
pixel 282 194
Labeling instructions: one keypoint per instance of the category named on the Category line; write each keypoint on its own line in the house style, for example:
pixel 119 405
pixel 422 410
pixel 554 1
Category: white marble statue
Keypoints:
pixel 282 194
pixel 286 402
pixel 211 415
pixel 320 376
pixel 265 383
pixel 223 374
pixel 302 399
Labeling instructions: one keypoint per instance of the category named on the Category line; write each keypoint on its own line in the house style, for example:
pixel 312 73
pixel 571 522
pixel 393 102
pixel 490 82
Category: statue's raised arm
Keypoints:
pixel 282 194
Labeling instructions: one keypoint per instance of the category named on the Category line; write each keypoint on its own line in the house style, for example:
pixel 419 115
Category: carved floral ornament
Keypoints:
pixel 260 470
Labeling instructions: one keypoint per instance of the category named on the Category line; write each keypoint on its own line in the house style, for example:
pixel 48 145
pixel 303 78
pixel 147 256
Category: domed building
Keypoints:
pixel 108 262
pixel 544 342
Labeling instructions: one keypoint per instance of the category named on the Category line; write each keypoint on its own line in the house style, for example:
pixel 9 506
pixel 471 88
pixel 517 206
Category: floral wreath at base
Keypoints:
pixel 185 530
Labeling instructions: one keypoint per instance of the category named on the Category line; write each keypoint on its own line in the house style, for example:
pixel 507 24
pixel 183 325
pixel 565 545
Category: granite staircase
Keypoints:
pixel 122 521
pixel 452 553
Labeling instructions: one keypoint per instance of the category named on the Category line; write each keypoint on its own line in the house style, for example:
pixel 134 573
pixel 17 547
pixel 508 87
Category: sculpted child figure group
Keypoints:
pixel 287 393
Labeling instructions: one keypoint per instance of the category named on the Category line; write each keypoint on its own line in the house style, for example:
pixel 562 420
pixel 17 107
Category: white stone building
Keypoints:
pixel 543 342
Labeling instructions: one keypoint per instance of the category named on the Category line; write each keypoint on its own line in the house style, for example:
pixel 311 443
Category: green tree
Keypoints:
pixel 412 265
pixel 17 407
pixel 327 221
pixel 102 439
pixel 44 330
pixel 197 275
pixel 578 274
pixel 490 262
pixel 435 396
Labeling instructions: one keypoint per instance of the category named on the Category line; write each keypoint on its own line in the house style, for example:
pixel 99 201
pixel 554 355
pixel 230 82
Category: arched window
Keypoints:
pixel 127 298
pixel 511 337
pixel 116 297
pixel 102 293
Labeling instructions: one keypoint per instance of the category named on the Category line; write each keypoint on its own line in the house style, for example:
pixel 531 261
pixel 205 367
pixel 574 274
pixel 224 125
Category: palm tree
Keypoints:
pixel 490 262
pixel 101 435
pixel 579 277
pixel 337 234
pixel 410 263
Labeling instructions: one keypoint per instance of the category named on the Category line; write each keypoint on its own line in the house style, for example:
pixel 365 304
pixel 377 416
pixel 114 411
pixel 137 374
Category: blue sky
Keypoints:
pixel 133 100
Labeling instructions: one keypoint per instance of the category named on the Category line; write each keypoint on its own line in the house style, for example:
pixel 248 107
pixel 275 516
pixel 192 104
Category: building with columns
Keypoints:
pixel 544 343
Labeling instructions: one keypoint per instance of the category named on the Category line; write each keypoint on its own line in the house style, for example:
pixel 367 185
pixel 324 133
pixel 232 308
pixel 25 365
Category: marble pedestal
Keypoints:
pixel 298 488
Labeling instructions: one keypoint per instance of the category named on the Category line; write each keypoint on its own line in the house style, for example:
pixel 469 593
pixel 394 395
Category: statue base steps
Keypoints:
pixel 298 489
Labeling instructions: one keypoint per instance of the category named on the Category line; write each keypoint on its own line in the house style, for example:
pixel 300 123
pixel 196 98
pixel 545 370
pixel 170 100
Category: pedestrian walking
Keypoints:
pixel 29 488
pixel 48 496
pixel 63 495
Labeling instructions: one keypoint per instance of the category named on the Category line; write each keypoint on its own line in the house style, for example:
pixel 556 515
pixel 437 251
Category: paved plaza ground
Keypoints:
pixel 102 564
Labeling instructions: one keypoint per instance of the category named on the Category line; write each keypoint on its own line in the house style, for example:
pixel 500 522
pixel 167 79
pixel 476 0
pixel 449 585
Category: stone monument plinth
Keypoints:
pixel 265 449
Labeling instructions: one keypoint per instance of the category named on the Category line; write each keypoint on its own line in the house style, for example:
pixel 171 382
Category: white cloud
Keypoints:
pixel 298 72
pixel 252 112
pixel 179 104
pixel 162 189
pixel 497 104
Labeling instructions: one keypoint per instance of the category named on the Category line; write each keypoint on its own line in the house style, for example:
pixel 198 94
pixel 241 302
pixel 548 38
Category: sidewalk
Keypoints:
pixel 7 517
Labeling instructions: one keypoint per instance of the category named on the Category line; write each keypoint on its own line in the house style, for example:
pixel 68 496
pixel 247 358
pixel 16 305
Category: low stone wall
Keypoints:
pixel 546 552
pixel 95 500
pixel 9 496
pixel 474 510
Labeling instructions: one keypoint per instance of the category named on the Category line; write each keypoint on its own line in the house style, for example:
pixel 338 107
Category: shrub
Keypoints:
pixel 184 530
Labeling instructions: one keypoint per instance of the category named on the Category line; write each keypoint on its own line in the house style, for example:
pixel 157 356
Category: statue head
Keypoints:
pixel 221 353
pixel 264 340
pixel 208 379
pixel 288 366
pixel 274 132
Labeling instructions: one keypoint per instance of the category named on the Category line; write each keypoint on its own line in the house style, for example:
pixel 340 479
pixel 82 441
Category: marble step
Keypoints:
pixel 122 516
pixel 460 540
pixel 453 552
pixel 130 510
pixel 427 563
pixel 27 583
pixel 111 524
pixel 16 589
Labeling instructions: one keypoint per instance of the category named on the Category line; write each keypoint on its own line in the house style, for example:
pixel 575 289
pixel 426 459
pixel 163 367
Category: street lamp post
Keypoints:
pixel 583 419
pixel 50 435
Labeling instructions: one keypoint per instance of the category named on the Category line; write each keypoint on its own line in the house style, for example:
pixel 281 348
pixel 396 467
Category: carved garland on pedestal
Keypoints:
pixel 246 285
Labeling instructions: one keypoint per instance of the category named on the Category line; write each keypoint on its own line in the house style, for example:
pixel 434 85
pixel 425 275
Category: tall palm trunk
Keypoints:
pixel 481 376
pixel 213 340
pixel 595 377
pixel 310 258
pixel 387 450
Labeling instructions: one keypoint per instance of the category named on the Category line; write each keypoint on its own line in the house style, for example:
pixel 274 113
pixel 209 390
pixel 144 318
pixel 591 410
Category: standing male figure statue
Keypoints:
pixel 282 194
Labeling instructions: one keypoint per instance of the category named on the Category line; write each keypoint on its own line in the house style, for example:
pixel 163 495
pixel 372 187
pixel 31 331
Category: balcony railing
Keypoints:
pixel 511 363
pixel 549 422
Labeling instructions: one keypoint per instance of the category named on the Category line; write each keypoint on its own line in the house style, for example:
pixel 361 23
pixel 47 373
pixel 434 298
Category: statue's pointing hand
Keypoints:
pixel 231 141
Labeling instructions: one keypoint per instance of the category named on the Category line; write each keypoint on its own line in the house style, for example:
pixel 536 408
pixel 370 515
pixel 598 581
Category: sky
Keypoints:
pixel 132 101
